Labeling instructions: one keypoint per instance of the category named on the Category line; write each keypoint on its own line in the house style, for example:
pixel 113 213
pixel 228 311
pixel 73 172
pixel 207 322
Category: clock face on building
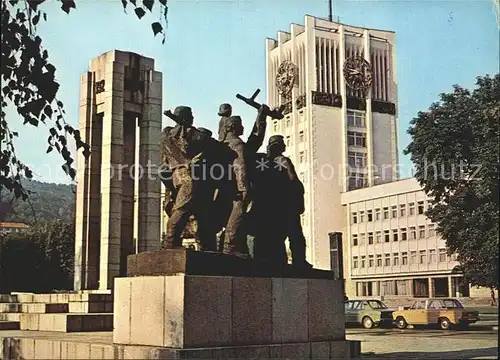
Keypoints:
pixel 286 78
pixel 358 73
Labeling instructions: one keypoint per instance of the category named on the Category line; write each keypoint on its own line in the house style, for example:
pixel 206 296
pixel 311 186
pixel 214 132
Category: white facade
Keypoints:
pixel 391 247
pixel 328 126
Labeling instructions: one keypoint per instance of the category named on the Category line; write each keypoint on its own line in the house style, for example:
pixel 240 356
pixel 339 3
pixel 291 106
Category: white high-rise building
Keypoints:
pixel 339 138
pixel 343 142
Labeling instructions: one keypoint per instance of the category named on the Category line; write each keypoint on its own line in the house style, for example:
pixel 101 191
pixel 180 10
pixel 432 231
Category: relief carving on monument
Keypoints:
pixel 384 107
pixel 326 99
pixel 99 86
pixel 300 102
pixel 287 107
pixel 132 79
pixel 356 103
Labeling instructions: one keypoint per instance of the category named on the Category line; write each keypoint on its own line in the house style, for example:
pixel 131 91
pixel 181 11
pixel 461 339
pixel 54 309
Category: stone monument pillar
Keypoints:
pixel 120 118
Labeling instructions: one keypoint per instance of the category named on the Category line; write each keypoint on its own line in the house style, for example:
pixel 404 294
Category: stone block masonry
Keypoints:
pixel 60 312
pixel 17 347
pixel 186 311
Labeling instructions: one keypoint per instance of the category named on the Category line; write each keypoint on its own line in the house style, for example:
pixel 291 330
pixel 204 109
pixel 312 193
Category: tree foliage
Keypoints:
pixel 29 83
pixel 39 259
pixel 455 149
pixel 47 202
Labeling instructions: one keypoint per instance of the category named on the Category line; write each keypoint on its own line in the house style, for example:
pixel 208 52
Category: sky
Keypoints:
pixel 216 48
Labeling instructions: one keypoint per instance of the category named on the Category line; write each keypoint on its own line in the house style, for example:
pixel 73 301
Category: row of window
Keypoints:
pixel 385 213
pixel 354 118
pixel 288 138
pixel 356 159
pixel 397 234
pixel 424 256
pixel 355 138
pixel 288 119
pixel 357 181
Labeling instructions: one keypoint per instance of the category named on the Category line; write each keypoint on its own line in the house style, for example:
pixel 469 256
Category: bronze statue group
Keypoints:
pixel 245 203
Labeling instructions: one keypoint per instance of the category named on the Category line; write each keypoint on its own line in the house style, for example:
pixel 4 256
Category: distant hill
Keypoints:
pixel 50 202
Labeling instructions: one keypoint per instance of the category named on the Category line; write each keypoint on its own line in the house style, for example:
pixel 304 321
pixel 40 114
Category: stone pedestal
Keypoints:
pixel 172 262
pixel 231 316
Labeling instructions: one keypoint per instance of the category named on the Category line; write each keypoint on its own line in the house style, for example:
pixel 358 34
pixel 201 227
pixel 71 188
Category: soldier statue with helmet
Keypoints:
pixel 241 201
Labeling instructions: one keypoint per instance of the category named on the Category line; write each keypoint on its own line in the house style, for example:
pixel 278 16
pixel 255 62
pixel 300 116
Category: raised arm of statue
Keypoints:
pixel 258 133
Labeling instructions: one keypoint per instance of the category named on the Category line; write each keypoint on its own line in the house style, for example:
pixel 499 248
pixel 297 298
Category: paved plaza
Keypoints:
pixel 480 342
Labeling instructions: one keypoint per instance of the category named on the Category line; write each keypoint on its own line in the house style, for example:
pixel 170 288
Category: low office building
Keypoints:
pixel 392 249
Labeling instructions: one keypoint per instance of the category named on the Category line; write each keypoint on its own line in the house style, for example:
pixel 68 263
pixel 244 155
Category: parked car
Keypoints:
pixel 368 313
pixel 443 312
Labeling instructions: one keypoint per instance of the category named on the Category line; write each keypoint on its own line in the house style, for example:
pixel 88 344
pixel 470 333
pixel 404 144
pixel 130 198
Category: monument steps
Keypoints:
pixel 10 316
pixel 17 346
pixel 58 298
pixel 90 307
pixel 9 325
pixel 59 312
pixel 68 322
pixel 33 308
pixel 8 298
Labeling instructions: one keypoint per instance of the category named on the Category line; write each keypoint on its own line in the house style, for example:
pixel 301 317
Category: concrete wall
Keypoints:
pixel 383 150
pixel 328 179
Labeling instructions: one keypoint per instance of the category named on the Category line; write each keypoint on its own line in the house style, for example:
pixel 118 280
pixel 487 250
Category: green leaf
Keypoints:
pixel 148 4
pixel 139 12
pixel 49 149
pixel 157 28
pixel 163 2
pixel 21 16
pixel 36 19
pixel 34 4
pixel 67 5
pixel 48 110
pixel 86 153
pixel 458 136
pixel 50 68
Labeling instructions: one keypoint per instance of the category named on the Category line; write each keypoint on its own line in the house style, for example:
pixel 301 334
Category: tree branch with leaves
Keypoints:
pixel 29 84
pixel 455 150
